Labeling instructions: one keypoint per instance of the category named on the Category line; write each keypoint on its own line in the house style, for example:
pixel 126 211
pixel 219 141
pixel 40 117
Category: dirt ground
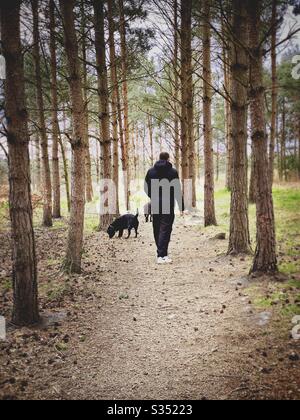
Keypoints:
pixel 129 329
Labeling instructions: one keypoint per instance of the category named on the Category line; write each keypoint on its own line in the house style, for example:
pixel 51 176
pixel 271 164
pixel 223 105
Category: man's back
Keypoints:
pixel 164 171
pixel 163 186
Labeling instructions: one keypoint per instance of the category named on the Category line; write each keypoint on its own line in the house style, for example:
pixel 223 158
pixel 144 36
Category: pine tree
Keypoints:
pixel 25 310
pixel 75 237
pixel 239 240
pixel 103 97
pixel 55 125
pixel 265 260
pixel 47 185
pixel 209 199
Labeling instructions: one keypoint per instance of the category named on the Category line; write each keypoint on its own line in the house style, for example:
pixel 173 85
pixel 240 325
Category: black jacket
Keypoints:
pixel 168 189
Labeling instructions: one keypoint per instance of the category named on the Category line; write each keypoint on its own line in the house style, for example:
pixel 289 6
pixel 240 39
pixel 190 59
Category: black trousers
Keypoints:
pixel 162 227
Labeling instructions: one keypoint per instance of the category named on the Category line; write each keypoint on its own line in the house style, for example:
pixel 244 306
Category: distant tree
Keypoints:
pixel 84 47
pixel 55 124
pixel 114 98
pixel 124 77
pixel 186 88
pixel 75 237
pixel 209 199
pixel 47 185
pixel 103 95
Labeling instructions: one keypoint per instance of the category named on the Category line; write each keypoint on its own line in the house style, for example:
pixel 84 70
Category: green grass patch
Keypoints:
pixel 91 224
pixel 289 268
pixel 54 292
pixel 282 298
pixel 287 198
pixel 61 347
pixel 5 285
pixel 294 283
pixel 262 303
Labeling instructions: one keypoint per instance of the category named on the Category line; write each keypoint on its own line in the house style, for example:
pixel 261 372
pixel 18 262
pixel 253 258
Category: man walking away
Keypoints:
pixel 163 187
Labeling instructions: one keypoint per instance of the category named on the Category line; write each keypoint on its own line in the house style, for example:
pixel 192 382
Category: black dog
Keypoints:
pixel 126 222
pixel 148 212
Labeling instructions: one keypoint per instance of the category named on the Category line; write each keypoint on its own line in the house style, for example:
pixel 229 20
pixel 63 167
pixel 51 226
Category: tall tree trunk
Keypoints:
pixel 114 101
pixel 144 151
pixel 283 143
pixel 299 147
pixel 218 160
pixel 76 226
pixel 103 96
pixel 124 72
pixel 209 188
pixel 274 92
pixel 239 240
pixel 150 129
pixel 253 181
pixel 97 162
pixel 176 87
pixel 122 144
pixel 186 95
pixel 265 260
pixel 47 187
pixel 278 147
pixel 38 174
pixel 66 172
pixel 55 125
pixel 89 181
pixel 228 116
pixel 25 310
pixel 135 142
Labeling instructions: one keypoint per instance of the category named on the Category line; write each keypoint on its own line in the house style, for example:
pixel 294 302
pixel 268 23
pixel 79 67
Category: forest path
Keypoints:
pixel 178 331
pixel 130 329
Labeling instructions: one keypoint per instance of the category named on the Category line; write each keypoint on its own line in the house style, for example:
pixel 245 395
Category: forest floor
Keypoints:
pixel 129 329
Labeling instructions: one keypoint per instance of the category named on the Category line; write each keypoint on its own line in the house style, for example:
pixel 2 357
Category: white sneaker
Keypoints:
pixel 161 261
pixel 168 260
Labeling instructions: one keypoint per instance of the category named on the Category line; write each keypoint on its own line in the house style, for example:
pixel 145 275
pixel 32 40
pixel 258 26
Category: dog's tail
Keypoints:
pixel 137 214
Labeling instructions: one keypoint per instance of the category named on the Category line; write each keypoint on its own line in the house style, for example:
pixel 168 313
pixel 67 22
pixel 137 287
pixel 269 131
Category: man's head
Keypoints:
pixel 164 156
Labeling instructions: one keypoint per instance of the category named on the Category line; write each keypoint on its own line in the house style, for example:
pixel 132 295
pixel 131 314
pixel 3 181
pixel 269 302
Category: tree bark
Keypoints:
pixel 55 125
pixel 299 147
pixel 47 187
pixel 239 240
pixel 97 162
pixel 283 144
pixel 265 260
pixel 89 181
pixel 38 174
pixel 274 92
pixel 66 172
pixel 124 73
pixel 75 237
pixel 103 96
pixel 186 95
pixel 114 101
pixel 209 199
pixel 176 87
pixel 253 182
pixel 150 129
pixel 25 309
pixel 228 116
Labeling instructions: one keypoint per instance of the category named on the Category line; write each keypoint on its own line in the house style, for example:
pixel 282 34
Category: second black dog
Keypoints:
pixel 126 222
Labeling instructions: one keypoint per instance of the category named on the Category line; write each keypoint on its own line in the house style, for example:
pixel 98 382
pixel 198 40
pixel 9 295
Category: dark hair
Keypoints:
pixel 164 156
